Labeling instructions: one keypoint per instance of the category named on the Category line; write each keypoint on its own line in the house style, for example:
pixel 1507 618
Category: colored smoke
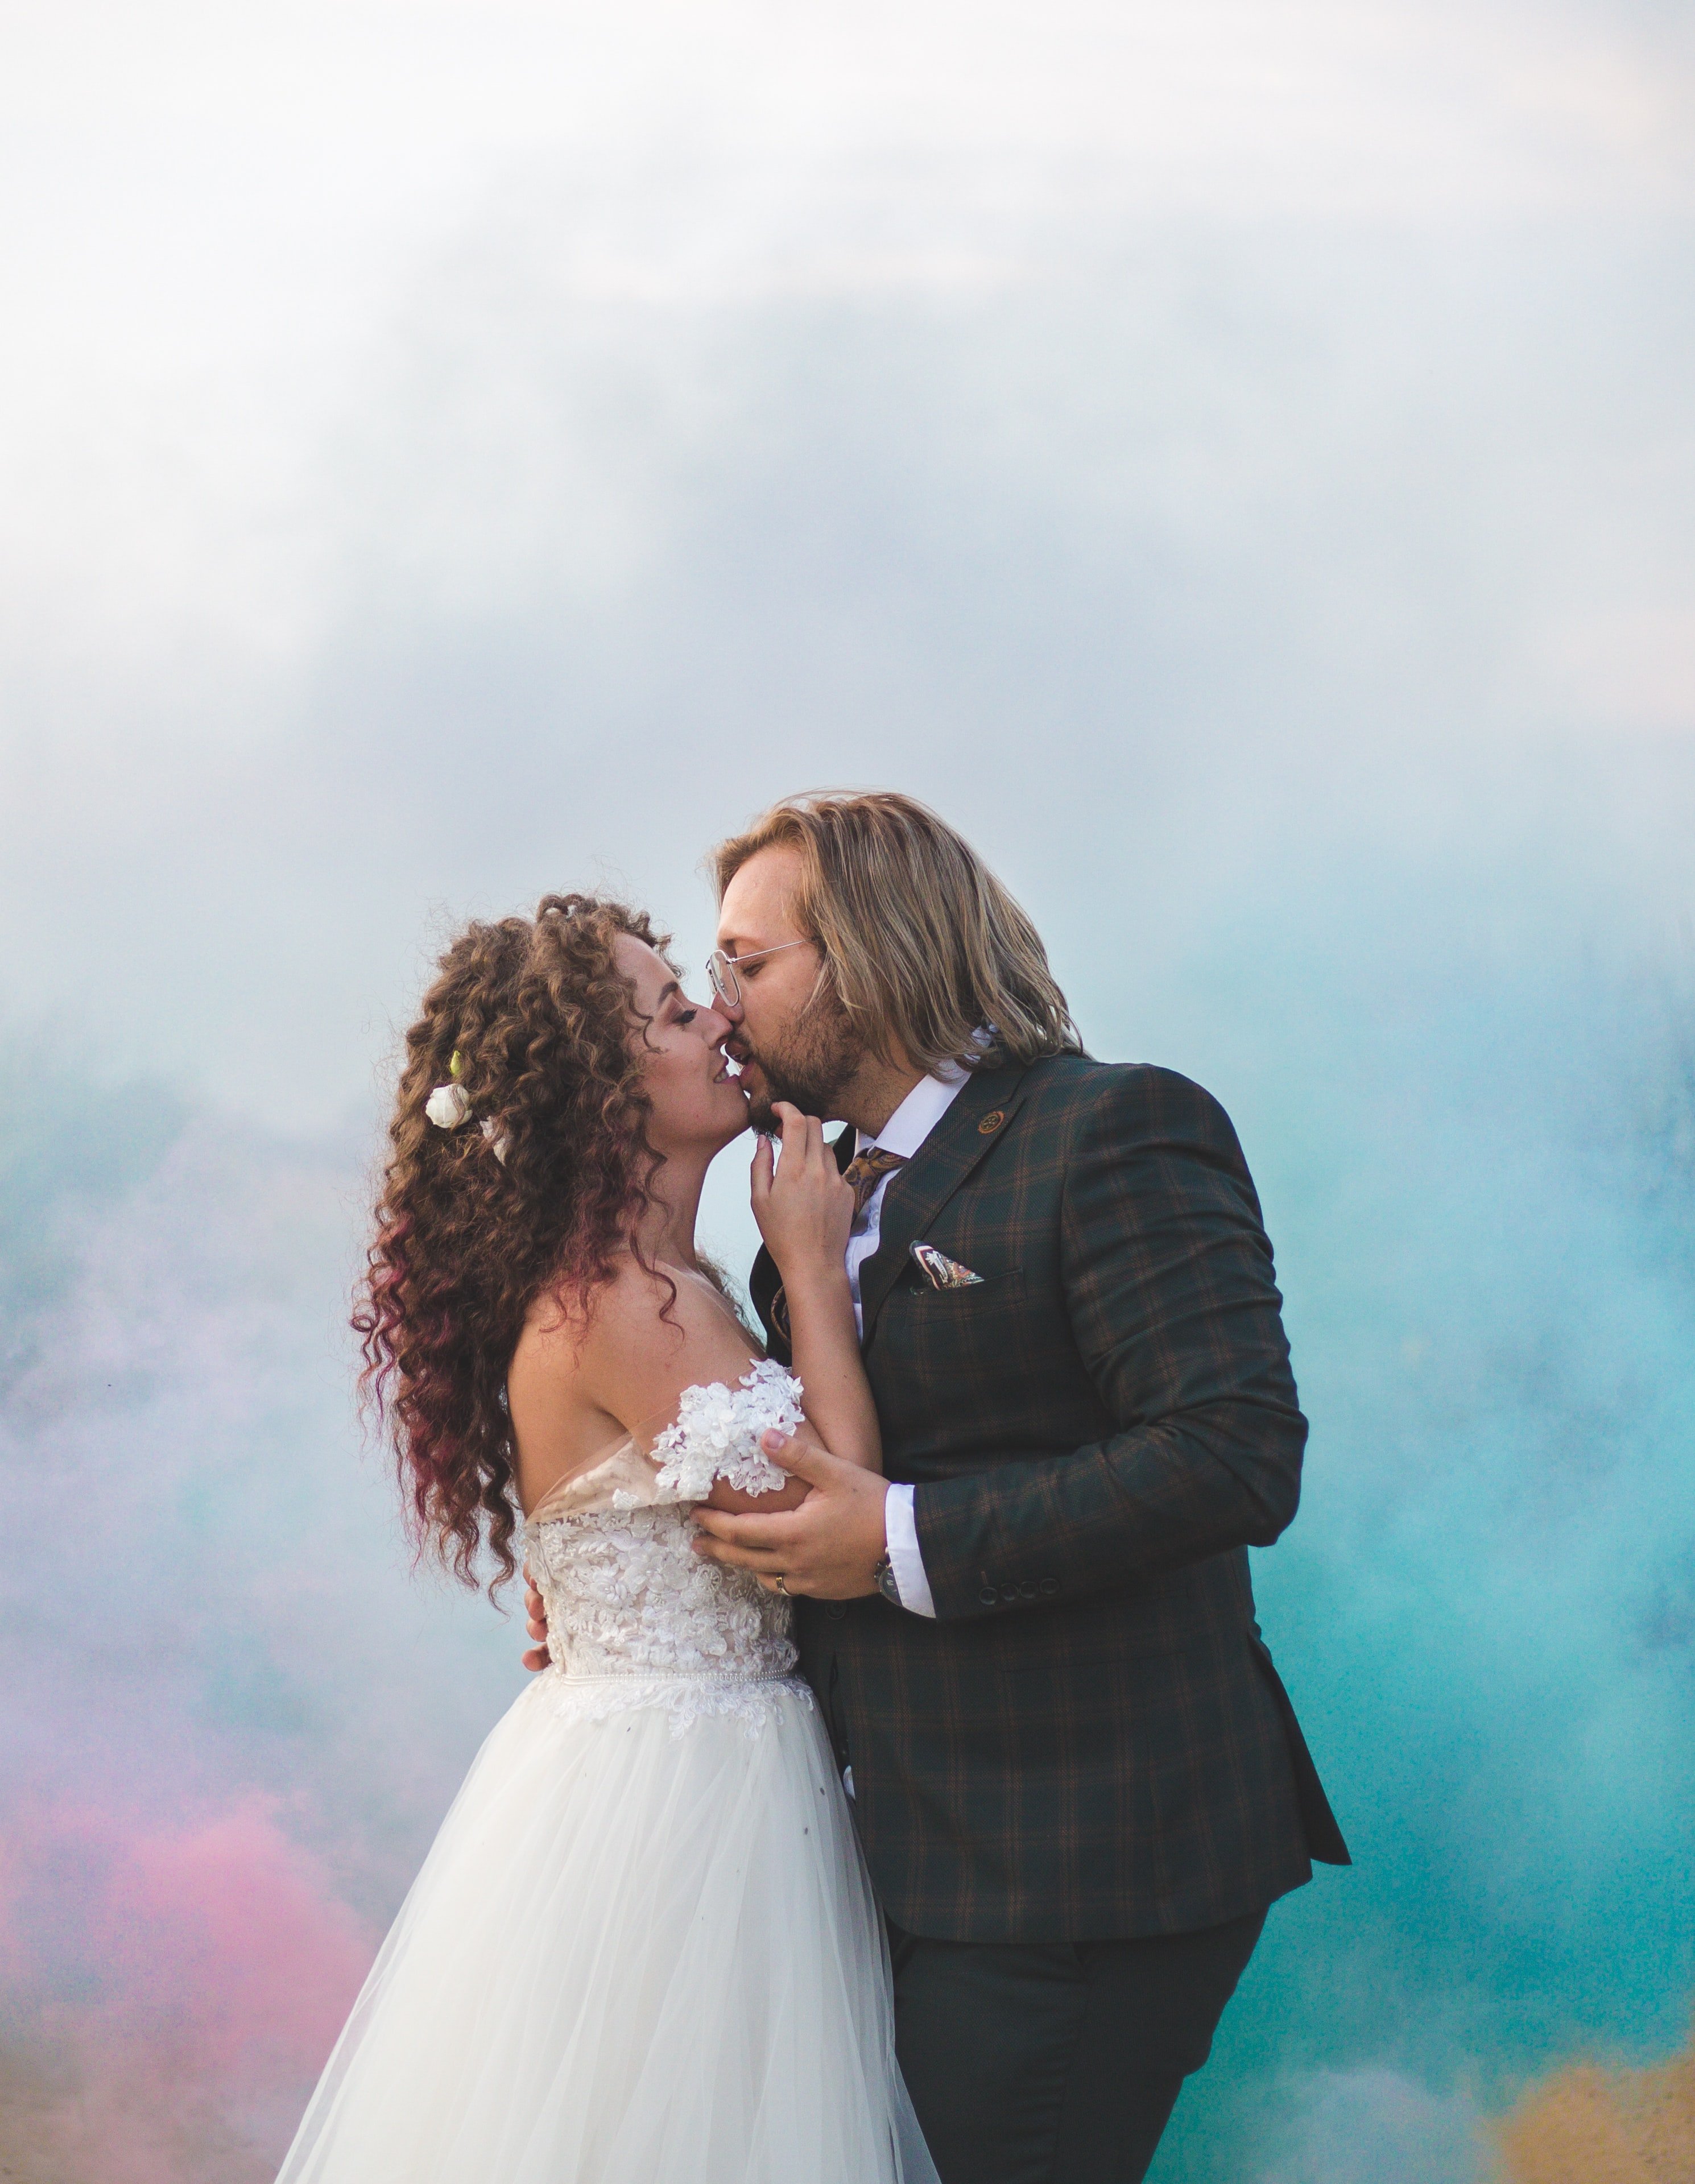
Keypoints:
pixel 195 1849
pixel 1234 461
pixel 1587 2124
pixel 190 1983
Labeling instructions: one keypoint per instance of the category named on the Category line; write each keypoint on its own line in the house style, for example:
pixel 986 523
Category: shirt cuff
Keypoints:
pixel 905 1560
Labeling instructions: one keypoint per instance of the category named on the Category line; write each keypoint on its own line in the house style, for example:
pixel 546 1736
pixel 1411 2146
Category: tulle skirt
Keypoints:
pixel 642 1950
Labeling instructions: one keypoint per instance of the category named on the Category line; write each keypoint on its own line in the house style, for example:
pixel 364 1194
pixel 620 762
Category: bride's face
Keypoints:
pixel 696 1101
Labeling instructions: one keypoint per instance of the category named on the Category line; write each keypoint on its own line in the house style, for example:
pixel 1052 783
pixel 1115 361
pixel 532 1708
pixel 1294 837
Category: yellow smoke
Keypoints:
pixel 72 2118
pixel 1587 2124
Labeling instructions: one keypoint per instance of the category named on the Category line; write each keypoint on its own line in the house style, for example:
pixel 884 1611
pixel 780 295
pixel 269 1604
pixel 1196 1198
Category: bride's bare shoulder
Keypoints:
pixel 645 1323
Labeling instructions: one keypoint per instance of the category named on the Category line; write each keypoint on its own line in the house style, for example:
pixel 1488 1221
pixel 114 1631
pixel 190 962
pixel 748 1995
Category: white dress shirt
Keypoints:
pixel 904 1131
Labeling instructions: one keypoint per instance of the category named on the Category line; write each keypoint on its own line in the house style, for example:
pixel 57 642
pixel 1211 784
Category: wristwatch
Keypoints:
pixel 884 1576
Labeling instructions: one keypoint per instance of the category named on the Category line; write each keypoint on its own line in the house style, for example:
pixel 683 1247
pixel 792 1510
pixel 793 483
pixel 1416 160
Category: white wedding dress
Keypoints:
pixel 643 1948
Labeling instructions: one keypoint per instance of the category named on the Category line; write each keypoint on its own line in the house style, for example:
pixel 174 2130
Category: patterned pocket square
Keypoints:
pixel 940 1271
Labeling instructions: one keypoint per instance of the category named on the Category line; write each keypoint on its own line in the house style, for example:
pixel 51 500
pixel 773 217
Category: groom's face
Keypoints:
pixel 793 1038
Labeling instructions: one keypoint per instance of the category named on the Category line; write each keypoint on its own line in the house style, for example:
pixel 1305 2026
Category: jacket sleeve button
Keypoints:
pixel 989 1597
pixel 1049 1586
pixel 1026 1592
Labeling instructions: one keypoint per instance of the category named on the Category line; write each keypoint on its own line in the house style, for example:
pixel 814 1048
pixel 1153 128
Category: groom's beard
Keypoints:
pixel 809 1064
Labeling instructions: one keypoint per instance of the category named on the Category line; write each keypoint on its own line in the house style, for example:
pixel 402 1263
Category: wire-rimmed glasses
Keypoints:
pixel 721 969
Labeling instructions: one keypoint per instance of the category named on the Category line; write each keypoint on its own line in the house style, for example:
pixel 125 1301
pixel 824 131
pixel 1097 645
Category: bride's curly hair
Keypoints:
pixel 532 1019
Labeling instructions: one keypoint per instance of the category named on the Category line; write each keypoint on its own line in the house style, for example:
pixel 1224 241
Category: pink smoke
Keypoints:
pixel 187 1981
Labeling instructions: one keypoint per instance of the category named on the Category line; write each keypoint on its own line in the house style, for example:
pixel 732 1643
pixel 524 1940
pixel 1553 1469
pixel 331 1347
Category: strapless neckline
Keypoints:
pixel 621 1469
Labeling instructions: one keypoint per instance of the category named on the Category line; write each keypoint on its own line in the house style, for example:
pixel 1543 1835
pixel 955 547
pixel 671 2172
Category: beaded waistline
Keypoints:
pixel 677 1676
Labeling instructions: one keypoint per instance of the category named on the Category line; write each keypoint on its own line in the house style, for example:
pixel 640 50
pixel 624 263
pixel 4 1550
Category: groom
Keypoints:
pixel 1078 1780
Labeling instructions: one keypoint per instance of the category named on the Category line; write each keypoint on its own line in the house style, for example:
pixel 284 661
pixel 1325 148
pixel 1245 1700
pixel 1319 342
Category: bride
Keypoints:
pixel 643 1948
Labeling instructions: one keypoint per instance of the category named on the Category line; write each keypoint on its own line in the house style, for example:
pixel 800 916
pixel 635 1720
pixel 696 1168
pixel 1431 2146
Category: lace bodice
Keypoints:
pixel 635 1617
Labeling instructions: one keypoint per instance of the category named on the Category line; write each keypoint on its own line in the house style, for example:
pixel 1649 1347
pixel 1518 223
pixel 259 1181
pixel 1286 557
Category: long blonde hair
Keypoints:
pixel 924 943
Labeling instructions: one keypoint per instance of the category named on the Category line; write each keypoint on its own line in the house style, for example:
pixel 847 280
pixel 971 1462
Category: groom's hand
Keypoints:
pixel 536 1622
pixel 828 1548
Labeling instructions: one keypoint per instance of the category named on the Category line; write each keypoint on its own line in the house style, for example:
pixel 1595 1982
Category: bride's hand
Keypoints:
pixel 805 1208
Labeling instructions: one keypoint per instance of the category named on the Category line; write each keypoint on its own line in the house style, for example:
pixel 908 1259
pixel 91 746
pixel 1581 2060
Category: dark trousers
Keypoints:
pixel 1057 2062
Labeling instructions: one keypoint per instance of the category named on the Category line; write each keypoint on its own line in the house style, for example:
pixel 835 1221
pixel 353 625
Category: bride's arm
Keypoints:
pixel 805 1211
pixel 650 1336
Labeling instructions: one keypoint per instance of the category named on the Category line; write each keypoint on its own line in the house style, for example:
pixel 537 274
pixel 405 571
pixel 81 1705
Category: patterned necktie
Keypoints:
pixel 865 1171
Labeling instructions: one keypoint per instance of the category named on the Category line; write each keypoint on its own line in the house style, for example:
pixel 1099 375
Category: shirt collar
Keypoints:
pixel 917 1116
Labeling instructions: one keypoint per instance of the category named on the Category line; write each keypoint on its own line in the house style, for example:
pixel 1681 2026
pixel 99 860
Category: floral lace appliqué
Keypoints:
pixel 718 1430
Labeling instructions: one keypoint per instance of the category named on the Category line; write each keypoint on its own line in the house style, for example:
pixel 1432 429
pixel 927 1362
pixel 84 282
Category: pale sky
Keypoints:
pixel 447 451
pixel 1237 461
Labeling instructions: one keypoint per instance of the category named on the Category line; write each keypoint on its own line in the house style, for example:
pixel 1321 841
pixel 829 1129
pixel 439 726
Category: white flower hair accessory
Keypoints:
pixel 448 1106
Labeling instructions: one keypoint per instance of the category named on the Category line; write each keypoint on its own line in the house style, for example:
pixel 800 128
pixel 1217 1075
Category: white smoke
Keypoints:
pixel 1237 464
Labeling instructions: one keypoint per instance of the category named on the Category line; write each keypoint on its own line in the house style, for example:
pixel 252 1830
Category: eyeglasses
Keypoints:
pixel 721 969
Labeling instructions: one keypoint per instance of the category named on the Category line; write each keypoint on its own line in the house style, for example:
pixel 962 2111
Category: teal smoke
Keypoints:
pixel 1479 1168
pixel 1123 573
pixel 1478 1158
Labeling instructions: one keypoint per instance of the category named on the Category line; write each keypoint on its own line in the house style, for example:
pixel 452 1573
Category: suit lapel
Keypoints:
pixel 917 1193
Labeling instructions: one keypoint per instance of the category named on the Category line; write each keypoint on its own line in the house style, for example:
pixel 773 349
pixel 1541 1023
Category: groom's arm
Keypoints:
pixel 1174 1309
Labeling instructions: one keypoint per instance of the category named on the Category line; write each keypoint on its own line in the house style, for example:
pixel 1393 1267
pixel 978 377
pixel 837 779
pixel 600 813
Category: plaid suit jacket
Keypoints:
pixel 1091 1739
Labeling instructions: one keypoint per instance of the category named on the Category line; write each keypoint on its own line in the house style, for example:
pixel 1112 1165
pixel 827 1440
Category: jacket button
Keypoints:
pixel 835 1609
pixel 989 1597
pixel 1009 1592
pixel 1027 1592
pixel 991 1122
pixel 1049 1585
